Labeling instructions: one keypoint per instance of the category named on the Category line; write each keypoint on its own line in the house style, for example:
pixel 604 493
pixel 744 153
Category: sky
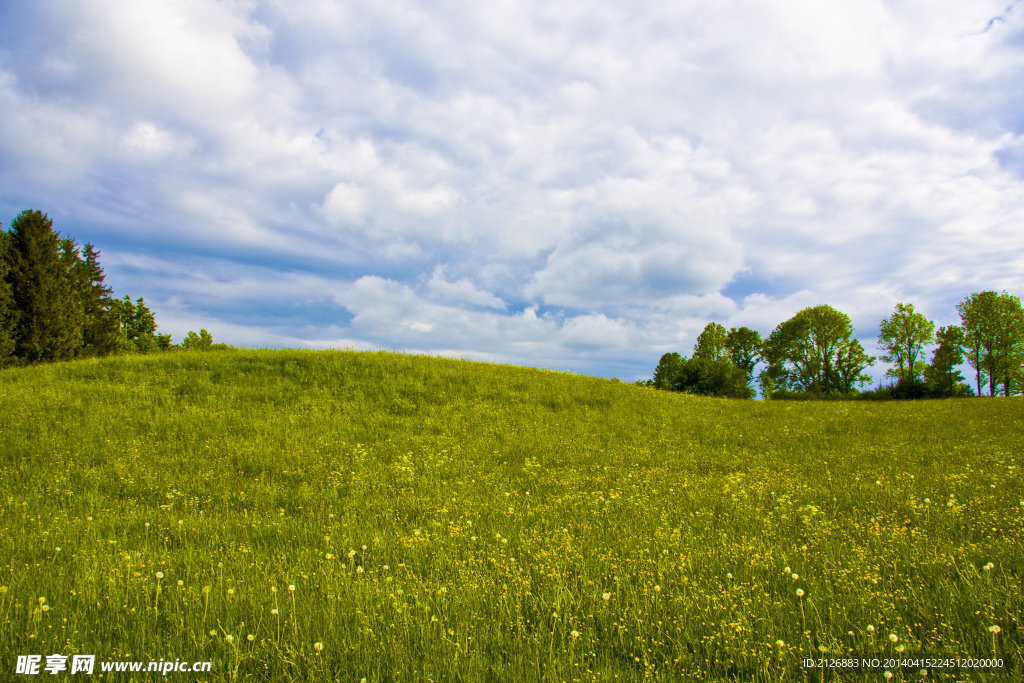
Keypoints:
pixel 581 185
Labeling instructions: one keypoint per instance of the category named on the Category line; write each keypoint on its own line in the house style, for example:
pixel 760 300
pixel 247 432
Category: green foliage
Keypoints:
pixel 518 525
pixel 50 314
pixel 137 326
pixel 197 342
pixel 667 371
pixel 812 352
pixel 712 343
pixel 708 377
pixel 942 377
pixel 8 309
pixel 994 337
pixel 100 334
pixel 903 336
pixel 54 304
pixel 744 348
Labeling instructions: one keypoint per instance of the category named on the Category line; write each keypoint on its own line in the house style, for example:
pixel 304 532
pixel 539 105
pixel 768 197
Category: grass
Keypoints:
pixel 443 520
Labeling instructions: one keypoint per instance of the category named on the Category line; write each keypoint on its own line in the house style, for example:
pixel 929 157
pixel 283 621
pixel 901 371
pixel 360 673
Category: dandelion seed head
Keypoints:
pixel 995 628
pixel 292 587
pixel 250 637
pixel 318 647
pixel 606 596
pixel 273 612
pixel 228 638
pixel 180 583
pixel 159 575
pixel 800 592
pixel 871 628
pixel 780 643
pixel 893 637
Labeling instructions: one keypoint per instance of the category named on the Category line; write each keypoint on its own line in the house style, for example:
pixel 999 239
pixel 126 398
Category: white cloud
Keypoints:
pixel 527 180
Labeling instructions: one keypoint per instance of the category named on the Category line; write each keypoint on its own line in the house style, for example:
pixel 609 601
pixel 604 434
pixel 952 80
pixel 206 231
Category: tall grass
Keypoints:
pixel 340 516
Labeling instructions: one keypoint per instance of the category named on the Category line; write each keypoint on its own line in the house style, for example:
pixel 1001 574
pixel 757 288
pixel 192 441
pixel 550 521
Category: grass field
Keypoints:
pixel 347 516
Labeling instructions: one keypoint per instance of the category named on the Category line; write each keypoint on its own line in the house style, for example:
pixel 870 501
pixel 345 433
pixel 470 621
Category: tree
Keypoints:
pixel 136 325
pixel 197 342
pixel 974 310
pixel 50 313
pixel 903 336
pixel 711 344
pixel 668 368
pixel 994 333
pixel 942 377
pixel 744 348
pixel 8 311
pixel 710 377
pixel 807 352
pixel 100 335
pixel 1008 347
pixel 851 361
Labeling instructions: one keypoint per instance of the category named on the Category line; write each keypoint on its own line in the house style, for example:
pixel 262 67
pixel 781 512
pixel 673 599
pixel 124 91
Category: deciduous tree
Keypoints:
pixel 744 348
pixel 903 336
pixel 941 375
pixel 805 352
pixel 709 377
pixel 712 343
pixel 667 370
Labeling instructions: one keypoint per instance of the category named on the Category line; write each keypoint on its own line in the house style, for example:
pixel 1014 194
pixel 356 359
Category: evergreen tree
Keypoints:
pixel 8 311
pixel 100 334
pixel 50 315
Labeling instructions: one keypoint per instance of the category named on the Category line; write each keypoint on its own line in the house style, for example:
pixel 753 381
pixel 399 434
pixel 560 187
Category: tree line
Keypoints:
pixel 55 306
pixel 814 355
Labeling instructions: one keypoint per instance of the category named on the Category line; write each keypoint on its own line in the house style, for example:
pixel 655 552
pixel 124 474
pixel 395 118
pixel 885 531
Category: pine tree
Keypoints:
pixel 8 312
pixel 100 334
pixel 50 315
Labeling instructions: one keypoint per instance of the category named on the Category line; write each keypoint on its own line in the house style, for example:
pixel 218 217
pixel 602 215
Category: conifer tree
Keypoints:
pixel 99 331
pixel 8 312
pixel 50 314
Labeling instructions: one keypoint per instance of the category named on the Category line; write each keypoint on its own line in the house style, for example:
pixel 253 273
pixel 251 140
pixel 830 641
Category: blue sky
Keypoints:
pixel 580 185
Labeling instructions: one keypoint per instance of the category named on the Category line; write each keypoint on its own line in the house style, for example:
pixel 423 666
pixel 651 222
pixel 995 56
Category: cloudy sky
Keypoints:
pixel 580 185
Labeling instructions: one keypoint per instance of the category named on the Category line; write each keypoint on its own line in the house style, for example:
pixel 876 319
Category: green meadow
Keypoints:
pixel 350 516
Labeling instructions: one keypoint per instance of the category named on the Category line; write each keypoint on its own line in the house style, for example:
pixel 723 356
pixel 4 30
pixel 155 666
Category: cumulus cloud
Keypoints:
pixel 577 184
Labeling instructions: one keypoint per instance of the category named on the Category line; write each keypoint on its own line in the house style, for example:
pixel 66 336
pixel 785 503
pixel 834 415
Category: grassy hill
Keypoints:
pixel 322 515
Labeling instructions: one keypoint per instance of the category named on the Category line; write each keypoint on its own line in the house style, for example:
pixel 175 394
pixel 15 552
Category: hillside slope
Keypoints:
pixel 447 519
